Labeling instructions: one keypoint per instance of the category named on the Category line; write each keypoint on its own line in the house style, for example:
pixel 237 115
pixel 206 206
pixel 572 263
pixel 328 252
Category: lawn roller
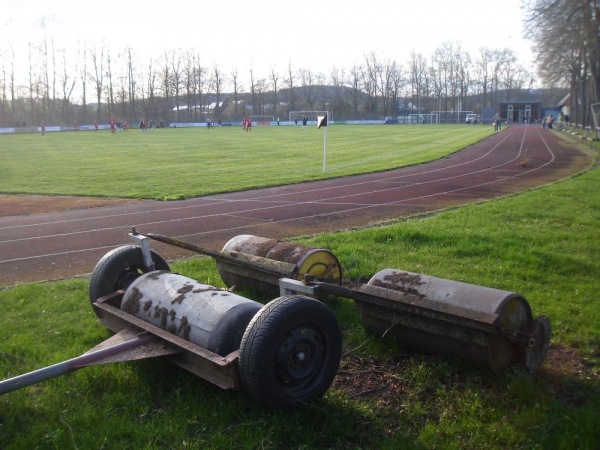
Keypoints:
pixel 283 354
pixel 490 327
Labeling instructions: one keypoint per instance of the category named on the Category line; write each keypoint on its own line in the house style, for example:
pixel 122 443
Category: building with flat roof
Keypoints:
pixel 519 111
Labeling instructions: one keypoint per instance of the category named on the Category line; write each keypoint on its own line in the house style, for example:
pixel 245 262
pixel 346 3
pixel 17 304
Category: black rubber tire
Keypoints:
pixel 290 352
pixel 118 268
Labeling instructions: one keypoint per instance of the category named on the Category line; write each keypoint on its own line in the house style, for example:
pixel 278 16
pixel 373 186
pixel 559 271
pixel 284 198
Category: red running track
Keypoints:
pixel 57 245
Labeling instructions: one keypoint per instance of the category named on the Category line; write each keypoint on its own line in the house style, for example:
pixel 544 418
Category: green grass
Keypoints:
pixel 183 163
pixel 543 244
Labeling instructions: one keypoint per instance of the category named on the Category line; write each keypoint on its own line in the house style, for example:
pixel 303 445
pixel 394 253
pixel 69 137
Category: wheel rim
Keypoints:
pixel 127 277
pixel 300 357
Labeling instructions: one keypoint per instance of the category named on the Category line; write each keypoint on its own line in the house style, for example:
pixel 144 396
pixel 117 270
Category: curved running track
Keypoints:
pixel 57 245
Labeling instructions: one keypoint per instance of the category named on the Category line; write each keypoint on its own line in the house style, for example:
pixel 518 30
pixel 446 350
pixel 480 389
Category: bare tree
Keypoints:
pixel 217 81
pixel 443 75
pixel 307 81
pixel 201 77
pixel 8 85
pixel 236 90
pixel 398 83
pixel 176 75
pixel 151 90
pixel 166 85
pixel 274 82
pixel 131 81
pixel 97 77
pixel 462 71
pixel 322 92
pixel 33 84
pixel 260 89
pixel 253 92
pixel 47 66
pixel 110 87
pixel 417 69
pixel 189 83
pixel 354 84
pixel 388 76
pixel 289 81
pixel 483 76
pixel 337 79
pixel 68 83
pixel 83 77
pixel 567 34
pixel 369 83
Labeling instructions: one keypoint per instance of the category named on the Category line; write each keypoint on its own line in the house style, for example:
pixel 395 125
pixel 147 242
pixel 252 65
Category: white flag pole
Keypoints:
pixel 325 150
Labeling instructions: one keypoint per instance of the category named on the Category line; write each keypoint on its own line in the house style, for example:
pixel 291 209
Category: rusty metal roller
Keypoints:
pixel 492 327
pixel 212 318
pixel 294 261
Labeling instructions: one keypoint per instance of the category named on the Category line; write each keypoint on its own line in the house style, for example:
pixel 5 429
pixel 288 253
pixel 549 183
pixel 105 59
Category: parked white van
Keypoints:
pixel 472 118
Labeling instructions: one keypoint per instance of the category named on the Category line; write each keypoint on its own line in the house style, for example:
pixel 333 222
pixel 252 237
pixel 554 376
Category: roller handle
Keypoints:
pixel 71 365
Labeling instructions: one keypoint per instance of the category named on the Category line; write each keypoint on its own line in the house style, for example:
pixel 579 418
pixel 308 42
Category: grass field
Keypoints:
pixel 183 163
pixel 543 244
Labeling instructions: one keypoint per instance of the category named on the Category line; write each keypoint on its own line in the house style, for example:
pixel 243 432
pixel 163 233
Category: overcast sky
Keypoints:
pixel 315 35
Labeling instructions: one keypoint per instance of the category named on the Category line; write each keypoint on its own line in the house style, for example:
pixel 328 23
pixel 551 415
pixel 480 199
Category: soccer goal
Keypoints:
pixel 311 116
pixel 423 118
pixel 452 116
pixel 262 120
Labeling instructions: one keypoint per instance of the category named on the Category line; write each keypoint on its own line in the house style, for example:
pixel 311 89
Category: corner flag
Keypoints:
pixel 321 121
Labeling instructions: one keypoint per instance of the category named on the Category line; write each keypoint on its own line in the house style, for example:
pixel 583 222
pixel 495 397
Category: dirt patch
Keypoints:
pixel 367 378
pixel 22 205
pixel 566 373
pixel 569 375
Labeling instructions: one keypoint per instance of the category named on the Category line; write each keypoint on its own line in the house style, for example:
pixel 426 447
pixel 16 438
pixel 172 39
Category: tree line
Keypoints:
pixel 567 37
pixel 97 84
pixel 177 87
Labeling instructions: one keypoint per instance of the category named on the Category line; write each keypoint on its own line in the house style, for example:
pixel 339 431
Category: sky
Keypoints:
pixel 266 34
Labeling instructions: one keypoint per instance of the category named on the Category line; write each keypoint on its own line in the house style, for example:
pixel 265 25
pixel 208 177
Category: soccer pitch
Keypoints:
pixel 189 162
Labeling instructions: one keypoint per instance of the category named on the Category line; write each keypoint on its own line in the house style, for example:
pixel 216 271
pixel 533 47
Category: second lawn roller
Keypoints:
pixel 298 259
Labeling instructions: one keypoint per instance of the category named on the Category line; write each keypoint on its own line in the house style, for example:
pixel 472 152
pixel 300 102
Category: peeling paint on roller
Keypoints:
pixel 401 282
pixel 202 314
pixel 132 305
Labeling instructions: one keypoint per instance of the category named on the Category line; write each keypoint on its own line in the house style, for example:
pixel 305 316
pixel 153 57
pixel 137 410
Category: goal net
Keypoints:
pixel 311 116
pixel 452 116
pixel 262 120
pixel 423 118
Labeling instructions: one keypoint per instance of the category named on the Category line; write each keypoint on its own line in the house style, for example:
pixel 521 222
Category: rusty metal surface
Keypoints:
pixel 56 245
pixel 539 343
pixel 152 349
pixel 446 327
pixel 301 259
pixel 508 310
pixel 219 370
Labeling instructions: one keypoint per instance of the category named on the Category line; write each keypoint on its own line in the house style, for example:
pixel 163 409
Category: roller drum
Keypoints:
pixel 506 309
pixel 445 317
pixel 301 260
pixel 212 318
